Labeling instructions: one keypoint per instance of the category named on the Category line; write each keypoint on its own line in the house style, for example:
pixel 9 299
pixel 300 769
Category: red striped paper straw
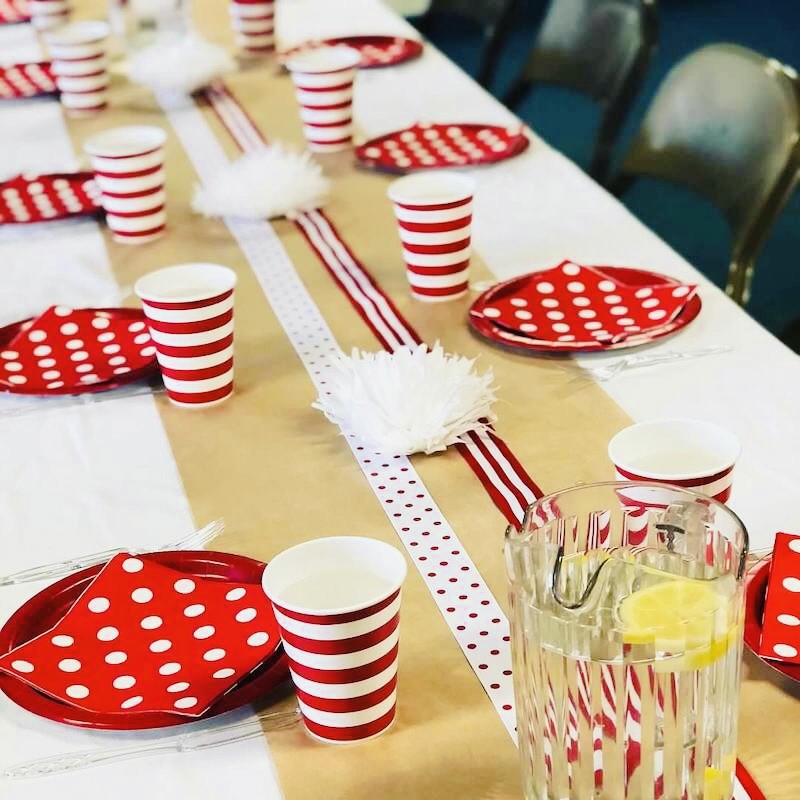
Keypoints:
pixel 337 601
pixel 689 453
pixel 128 163
pixel 434 219
pixel 80 66
pixel 189 310
pixel 254 25
pixel 323 80
pixel 47 14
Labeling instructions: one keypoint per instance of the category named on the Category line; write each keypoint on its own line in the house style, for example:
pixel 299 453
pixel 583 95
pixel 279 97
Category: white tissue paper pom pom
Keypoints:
pixel 180 63
pixel 267 183
pixel 413 400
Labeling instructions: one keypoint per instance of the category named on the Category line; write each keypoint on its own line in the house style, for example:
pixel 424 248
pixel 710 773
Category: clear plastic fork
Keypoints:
pixel 57 569
pixel 183 743
pixel 639 360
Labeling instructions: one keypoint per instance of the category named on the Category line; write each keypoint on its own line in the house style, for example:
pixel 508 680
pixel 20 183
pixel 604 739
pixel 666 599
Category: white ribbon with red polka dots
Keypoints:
pixel 472 613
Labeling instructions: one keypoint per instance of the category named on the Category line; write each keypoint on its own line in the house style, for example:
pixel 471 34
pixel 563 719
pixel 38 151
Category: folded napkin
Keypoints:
pixel 144 637
pixel 780 633
pixel 435 146
pixel 66 348
pixel 583 305
pixel 42 198
pixel 26 80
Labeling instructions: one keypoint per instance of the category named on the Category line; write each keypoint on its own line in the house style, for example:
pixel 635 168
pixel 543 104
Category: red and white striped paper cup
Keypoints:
pixel 253 22
pixel 80 66
pixel 189 310
pixel 128 163
pixel 323 81
pixel 689 453
pixel 434 218
pixel 337 601
pixel 47 14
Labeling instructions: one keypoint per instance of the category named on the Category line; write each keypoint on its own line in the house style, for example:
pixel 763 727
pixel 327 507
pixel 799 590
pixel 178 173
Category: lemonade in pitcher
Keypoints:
pixel 626 608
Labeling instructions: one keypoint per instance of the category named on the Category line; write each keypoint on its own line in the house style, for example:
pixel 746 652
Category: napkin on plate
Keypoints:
pixel 780 632
pixel 65 347
pixel 43 198
pixel 575 305
pixel 144 637
pixel 26 80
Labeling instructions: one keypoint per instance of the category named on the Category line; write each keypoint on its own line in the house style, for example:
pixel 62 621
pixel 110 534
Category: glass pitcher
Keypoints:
pixel 627 617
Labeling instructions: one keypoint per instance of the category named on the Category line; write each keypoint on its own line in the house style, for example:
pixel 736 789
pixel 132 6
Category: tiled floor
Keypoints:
pixel 692 226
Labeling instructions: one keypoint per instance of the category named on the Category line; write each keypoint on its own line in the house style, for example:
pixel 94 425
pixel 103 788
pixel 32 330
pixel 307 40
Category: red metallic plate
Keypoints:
pixel 46 608
pixel 501 337
pixel 8 332
pixel 376 51
pixel 375 155
pixel 753 614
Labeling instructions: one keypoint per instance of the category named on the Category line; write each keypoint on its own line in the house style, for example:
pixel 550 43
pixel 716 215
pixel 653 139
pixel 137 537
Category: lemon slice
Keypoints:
pixel 718 783
pixel 677 615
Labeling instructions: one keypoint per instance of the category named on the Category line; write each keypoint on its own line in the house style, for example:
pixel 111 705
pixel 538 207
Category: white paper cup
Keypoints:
pixel 128 165
pixel 48 14
pixel 254 26
pixel 690 453
pixel 434 218
pixel 323 79
pixel 337 602
pixel 189 310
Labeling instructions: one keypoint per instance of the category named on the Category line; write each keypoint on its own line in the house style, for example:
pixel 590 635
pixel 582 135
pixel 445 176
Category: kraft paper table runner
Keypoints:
pixel 280 473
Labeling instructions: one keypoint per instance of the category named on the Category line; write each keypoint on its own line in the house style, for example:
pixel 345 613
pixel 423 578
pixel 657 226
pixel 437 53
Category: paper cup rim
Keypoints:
pixel 422 188
pixel 389 550
pixel 161 285
pixel 730 444
pixel 125 141
pixel 75 33
pixel 323 60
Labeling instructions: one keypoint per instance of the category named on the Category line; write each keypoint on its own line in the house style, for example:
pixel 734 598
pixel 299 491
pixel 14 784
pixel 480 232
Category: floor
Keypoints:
pixel 693 227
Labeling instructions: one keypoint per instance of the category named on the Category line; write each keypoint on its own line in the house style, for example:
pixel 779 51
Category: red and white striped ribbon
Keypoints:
pixel 509 485
pixel 507 482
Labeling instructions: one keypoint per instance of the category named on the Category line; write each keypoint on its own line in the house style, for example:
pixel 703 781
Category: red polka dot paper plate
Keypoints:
pixel 74 351
pixel 754 622
pixel 168 620
pixel 376 51
pixel 431 146
pixel 571 309
pixel 14 11
pixel 19 81
pixel 43 198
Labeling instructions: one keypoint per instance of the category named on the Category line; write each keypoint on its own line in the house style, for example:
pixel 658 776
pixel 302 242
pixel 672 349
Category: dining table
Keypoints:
pixel 84 474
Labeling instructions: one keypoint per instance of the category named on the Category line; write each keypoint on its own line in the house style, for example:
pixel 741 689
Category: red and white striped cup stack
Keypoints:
pixel 434 216
pixel 337 601
pixel 323 81
pixel 128 163
pixel 189 310
pixel 253 22
pixel 47 14
pixel 80 66
pixel 689 453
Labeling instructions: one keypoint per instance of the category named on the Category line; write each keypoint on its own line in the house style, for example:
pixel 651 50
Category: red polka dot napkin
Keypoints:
pixel 429 146
pixel 575 304
pixel 26 80
pixel 144 637
pixel 376 51
pixel 13 11
pixel 40 198
pixel 780 634
pixel 66 348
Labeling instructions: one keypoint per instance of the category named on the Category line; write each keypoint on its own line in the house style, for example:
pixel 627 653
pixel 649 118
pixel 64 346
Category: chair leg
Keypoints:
pixel 620 183
pixel 489 59
pixel 517 93
pixel 740 280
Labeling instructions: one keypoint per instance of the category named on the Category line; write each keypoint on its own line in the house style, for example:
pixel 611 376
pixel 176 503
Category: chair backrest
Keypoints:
pixel 486 13
pixel 724 123
pixel 591 45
